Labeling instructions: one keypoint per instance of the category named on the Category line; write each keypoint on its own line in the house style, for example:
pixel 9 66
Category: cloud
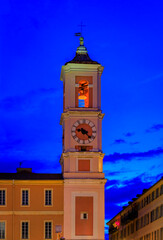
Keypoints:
pixel 155 128
pixel 129 156
pixel 129 134
pixel 119 141
pixel 158 76
pixel 116 196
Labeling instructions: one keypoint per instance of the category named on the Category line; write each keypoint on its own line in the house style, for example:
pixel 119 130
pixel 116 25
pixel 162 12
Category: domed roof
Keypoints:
pixel 82 55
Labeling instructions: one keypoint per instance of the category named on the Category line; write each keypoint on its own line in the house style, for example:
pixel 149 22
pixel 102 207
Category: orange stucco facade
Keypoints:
pixel 36 212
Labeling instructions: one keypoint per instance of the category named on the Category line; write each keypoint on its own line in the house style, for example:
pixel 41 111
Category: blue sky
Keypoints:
pixel 36 39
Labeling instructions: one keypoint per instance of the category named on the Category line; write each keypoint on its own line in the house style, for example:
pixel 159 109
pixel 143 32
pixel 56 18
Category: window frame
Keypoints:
pixel 48 221
pixel 25 205
pixel 4 205
pixel 48 205
pixel 4 221
pixel 21 227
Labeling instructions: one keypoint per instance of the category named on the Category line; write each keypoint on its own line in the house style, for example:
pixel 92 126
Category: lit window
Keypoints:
pixel 83 94
pixel 25 197
pixel 2 230
pixel 48 197
pixel 2 197
pixel 25 230
pixel 48 230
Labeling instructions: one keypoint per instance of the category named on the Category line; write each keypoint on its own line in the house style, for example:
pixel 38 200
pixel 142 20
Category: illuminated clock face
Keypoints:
pixel 83 131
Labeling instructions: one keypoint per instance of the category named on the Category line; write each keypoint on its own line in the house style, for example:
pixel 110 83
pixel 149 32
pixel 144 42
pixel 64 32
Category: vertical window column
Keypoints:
pixel 48 230
pixel 2 230
pixel 2 197
pixel 25 197
pixel 25 230
pixel 48 197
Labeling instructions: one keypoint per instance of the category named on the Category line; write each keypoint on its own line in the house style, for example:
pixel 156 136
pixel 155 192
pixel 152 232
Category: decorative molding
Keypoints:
pixel 81 114
pixel 71 67
pixel 85 181
pixel 83 155
pixel 31 213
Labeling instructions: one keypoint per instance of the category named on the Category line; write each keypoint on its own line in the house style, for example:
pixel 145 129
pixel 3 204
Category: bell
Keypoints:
pixel 82 96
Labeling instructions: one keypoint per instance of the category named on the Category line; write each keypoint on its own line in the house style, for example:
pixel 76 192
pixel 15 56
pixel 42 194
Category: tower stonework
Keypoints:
pixel 82 157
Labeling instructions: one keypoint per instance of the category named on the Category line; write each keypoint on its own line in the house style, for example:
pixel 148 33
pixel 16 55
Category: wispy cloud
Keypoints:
pixel 129 156
pixel 129 134
pixel 119 141
pixel 155 128
pixel 152 78
pixel 116 197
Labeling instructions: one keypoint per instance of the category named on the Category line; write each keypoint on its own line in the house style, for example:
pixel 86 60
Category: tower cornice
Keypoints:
pixel 83 155
pixel 85 181
pixel 81 67
pixel 82 114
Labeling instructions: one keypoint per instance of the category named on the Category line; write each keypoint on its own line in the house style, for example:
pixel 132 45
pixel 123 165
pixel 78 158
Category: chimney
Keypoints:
pixel 24 170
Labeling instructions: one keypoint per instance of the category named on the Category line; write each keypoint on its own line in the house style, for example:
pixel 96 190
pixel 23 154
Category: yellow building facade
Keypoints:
pixel 142 219
pixel 70 205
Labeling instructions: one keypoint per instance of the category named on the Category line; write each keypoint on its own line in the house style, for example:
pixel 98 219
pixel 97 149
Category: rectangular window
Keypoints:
pixel 153 195
pixel 2 230
pixel 152 216
pixel 48 230
pixel 161 189
pixel 157 212
pixel 157 192
pixel 25 230
pixel 132 227
pixel 25 197
pixel 161 210
pixel 141 222
pixel 137 225
pixel 161 233
pixel 149 197
pixel 128 230
pixel 48 197
pixel 2 197
pixel 124 233
pixel 147 218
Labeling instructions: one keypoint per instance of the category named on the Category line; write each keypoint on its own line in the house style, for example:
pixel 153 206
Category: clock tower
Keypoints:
pixel 82 157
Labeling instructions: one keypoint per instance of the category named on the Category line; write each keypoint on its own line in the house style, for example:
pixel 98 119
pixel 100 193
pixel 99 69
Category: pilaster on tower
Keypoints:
pixel 82 157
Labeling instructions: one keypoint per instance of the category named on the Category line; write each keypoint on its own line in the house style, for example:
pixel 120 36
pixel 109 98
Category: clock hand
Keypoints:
pixel 83 131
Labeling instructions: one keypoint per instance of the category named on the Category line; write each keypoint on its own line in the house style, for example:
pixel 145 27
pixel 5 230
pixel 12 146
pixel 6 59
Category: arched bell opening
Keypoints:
pixel 83 94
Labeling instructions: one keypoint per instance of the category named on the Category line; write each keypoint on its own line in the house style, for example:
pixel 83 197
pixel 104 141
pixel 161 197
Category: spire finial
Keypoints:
pixel 81 41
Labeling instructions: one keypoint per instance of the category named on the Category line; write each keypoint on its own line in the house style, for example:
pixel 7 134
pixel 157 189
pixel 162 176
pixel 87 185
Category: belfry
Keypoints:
pixel 82 157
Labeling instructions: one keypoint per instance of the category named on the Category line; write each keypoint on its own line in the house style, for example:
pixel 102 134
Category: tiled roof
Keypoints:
pixel 30 176
pixel 82 58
